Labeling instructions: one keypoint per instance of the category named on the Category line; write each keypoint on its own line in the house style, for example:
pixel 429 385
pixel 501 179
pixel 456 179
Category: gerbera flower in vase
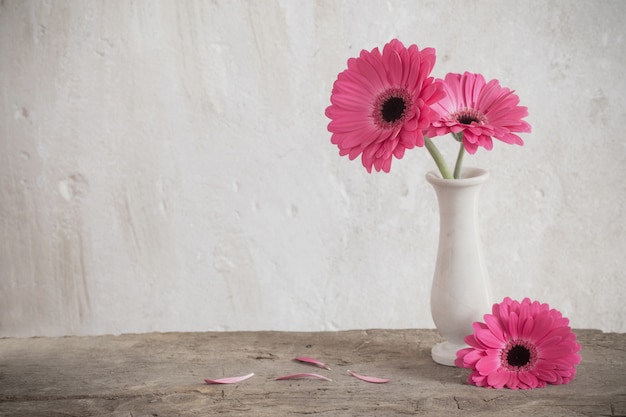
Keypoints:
pixel 474 112
pixel 381 104
pixel 521 345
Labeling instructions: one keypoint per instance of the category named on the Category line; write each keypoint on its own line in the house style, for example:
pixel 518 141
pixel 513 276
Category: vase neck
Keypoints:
pixel 469 177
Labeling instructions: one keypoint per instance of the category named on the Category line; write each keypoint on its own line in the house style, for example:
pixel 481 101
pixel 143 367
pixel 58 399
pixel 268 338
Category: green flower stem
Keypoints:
pixel 459 161
pixel 438 158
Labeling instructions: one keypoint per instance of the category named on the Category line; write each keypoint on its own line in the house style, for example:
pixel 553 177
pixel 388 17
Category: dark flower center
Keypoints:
pixel 392 107
pixel 518 356
pixel 469 116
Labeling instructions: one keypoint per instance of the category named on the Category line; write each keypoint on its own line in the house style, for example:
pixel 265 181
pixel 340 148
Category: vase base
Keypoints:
pixel 445 353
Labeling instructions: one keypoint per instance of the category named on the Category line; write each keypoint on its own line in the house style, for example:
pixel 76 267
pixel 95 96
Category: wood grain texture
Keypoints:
pixel 161 374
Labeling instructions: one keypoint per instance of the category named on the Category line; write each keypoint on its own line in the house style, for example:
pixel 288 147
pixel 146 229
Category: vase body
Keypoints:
pixel 460 293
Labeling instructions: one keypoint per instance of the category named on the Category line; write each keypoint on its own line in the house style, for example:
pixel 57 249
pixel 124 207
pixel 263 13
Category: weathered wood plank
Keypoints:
pixel 162 375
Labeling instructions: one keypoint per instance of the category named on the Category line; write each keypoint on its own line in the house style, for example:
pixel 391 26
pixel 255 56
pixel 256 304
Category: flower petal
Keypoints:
pixel 488 364
pixel 371 379
pixel 529 379
pixel 490 340
pixel 498 379
pixel 229 380
pixel 301 376
pixel 312 362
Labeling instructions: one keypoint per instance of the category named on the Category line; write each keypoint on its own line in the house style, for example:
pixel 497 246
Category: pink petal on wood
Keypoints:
pixel 312 362
pixel 299 376
pixel 230 380
pixel 371 379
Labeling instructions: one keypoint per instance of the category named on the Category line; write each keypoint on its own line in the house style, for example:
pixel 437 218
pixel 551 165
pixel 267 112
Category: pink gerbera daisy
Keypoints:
pixel 521 345
pixel 479 111
pixel 381 103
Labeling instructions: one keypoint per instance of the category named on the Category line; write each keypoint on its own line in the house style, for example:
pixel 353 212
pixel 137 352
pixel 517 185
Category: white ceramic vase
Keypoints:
pixel 460 292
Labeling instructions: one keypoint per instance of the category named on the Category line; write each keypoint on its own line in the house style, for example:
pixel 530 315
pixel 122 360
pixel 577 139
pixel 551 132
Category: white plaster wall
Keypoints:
pixel 165 165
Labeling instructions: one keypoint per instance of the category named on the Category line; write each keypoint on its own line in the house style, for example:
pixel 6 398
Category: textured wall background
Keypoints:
pixel 165 166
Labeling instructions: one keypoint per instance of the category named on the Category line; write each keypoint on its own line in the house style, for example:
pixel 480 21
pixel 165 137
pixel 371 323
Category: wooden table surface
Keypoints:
pixel 162 374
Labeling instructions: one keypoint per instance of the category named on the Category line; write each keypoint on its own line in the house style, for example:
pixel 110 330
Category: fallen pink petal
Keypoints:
pixel 229 380
pixel 371 379
pixel 301 376
pixel 312 362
